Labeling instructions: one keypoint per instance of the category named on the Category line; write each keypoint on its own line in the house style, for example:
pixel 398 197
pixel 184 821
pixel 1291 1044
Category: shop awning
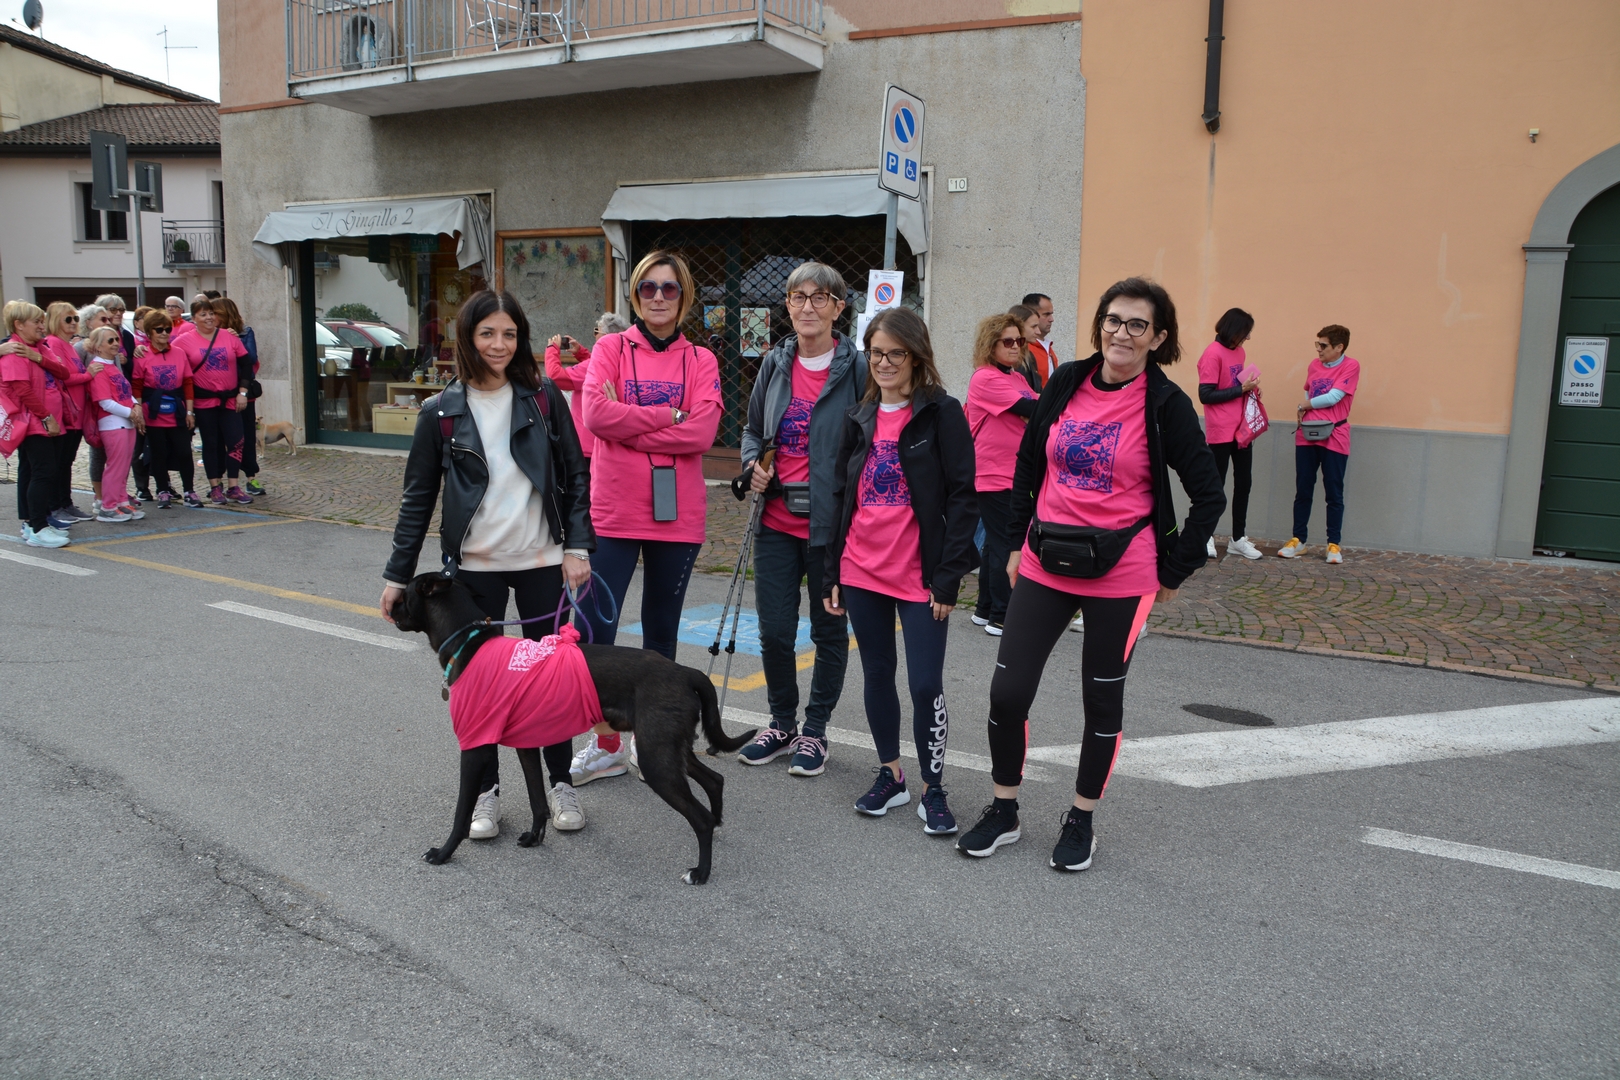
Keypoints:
pixel 798 196
pixel 466 216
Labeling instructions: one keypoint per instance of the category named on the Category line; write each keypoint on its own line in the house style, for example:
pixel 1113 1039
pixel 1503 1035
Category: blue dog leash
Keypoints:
pixel 569 599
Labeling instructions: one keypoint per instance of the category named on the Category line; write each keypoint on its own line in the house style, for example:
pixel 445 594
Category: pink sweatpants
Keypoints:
pixel 119 446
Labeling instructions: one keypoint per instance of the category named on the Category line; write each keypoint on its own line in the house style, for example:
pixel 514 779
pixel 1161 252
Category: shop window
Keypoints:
pixel 104 225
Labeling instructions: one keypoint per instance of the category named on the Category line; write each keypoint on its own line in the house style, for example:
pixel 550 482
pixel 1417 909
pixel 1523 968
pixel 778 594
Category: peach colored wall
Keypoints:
pixel 252 52
pixel 1372 169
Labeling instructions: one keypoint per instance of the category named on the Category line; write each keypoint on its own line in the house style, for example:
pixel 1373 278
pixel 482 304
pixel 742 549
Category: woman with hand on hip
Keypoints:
pixel 904 538
pixel 516 513
pixel 653 405
pixel 1224 377
pixel 1093 474
pixel 1000 402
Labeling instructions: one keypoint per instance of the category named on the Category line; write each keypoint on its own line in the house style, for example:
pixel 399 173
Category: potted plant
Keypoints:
pixel 181 250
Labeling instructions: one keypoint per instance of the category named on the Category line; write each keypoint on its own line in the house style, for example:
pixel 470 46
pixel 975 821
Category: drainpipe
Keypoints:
pixel 759 24
pixel 1212 67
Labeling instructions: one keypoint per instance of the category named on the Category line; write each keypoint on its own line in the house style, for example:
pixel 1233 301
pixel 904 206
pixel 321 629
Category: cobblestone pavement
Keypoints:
pixel 1533 620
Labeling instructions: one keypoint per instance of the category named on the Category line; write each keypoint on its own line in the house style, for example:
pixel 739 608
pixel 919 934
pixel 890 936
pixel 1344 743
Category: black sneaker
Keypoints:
pixel 936 815
pixel 886 793
pixel 1075 847
pixel 996 826
pixel 770 744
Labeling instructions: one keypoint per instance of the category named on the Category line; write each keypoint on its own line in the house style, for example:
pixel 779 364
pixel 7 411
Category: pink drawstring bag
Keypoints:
pixel 1255 421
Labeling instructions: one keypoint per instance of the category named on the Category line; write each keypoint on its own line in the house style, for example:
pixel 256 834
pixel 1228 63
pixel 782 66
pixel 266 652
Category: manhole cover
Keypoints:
pixel 1227 715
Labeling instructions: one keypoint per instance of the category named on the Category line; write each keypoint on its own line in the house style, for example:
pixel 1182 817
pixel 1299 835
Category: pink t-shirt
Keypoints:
pixel 793 446
pixel 28 380
pixel 75 415
pixel 571 377
pixel 883 551
pixel 1220 365
pixel 107 383
pixel 164 371
pixel 212 368
pixel 637 432
pixel 996 432
pixel 523 693
pixel 1319 379
pixel 1098 474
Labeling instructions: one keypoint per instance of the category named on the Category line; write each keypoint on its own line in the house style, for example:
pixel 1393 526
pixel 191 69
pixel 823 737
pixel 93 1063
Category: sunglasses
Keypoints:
pixel 1011 343
pixel 70 318
pixel 670 290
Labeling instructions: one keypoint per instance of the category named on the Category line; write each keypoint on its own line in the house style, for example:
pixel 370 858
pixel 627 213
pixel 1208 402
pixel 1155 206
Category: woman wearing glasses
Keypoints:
pixel 1091 496
pixel 62 324
pixel 805 386
pixel 904 488
pixel 1000 402
pixel 653 405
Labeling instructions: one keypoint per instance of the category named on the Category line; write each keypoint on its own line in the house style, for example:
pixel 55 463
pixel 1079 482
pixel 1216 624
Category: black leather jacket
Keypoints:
pixel 548 454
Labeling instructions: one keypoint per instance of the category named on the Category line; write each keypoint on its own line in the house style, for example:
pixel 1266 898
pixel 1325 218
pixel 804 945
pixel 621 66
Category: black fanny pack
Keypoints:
pixel 1080 551
pixel 796 499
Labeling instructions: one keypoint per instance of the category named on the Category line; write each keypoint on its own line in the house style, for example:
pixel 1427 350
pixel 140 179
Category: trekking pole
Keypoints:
pixel 756 511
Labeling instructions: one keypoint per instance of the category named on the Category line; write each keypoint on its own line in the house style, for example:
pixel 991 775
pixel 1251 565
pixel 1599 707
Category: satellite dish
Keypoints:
pixel 33 14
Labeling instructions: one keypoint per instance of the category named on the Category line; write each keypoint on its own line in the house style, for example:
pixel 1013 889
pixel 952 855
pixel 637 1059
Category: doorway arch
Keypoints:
pixel 1545 254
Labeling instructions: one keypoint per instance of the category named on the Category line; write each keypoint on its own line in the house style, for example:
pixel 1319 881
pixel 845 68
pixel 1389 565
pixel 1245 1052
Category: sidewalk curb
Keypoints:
pixel 1407 661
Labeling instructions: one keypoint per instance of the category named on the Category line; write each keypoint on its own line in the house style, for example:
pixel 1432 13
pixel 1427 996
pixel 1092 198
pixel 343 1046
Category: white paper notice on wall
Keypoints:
pixel 882 291
pixel 1586 360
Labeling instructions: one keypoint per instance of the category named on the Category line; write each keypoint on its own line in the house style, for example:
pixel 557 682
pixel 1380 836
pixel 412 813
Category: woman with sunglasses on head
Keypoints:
pixel 1000 402
pixel 904 539
pixel 515 519
pixel 653 405
pixel 161 381
pixel 1091 499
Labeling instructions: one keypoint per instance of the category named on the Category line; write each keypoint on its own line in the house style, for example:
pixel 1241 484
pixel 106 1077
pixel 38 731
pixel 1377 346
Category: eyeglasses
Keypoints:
pixel 816 300
pixel 1133 327
pixel 670 290
pixel 1322 346
pixel 894 358
pixel 1011 343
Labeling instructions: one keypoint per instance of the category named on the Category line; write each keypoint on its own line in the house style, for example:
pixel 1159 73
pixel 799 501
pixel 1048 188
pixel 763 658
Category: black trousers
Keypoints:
pixel 995 507
pixel 1037 616
pixel 1242 459
pixel 67 445
pixel 250 440
pixel 221 431
pixel 170 448
pixel 537 592
pixel 38 459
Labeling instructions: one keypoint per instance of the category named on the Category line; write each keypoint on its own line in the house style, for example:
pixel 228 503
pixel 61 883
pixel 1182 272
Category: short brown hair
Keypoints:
pixel 1164 316
pixel 989 336
pixel 157 321
pixel 683 275
pixel 908 328
pixel 1337 336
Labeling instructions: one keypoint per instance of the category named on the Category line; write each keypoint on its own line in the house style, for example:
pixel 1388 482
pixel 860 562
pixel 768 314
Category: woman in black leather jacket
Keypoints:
pixel 516 514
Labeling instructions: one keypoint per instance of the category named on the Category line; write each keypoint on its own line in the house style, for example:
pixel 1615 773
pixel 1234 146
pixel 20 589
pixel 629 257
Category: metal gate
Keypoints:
pixel 742 267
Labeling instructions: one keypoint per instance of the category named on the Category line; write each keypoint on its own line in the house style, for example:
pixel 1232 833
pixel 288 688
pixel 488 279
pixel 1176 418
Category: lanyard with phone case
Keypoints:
pixel 663 476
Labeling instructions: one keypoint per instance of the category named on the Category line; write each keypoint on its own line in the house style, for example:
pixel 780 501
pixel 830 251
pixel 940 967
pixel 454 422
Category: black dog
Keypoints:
pixel 658 700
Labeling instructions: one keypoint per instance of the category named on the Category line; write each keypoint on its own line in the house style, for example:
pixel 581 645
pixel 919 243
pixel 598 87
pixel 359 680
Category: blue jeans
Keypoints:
pixel 1307 459
pixel 781 562
pixel 872 616
pixel 666 570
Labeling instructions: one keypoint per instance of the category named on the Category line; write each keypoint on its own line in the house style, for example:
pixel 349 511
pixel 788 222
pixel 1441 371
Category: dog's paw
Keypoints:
pixel 694 876
pixel 436 857
pixel 531 838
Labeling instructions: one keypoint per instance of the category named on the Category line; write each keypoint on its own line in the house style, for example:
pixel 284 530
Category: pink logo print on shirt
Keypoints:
pixel 793 436
pixel 1084 454
pixel 527 653
pixel 883 482
pixel 652 392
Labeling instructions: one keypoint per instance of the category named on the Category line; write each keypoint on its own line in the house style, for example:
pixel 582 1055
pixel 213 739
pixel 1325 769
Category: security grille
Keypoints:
pixel 742 267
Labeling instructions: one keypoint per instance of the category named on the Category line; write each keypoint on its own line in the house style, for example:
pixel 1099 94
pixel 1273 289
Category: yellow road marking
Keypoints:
pixel 217 579
pixel 806 659
pixel 94 544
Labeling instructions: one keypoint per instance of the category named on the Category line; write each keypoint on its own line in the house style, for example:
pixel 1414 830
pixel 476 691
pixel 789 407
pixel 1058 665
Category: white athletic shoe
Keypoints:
pixel 1242 546
pixel 486 815
pixel 980 620
pixel 595 763
pixel 566 814
pixel 1078 626
pixel 1209 549
pixel 1293 549
pixel 112 514
pixel 48 537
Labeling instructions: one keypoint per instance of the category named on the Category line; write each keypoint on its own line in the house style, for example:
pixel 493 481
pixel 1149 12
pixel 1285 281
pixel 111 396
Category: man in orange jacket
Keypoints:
pixel 1045 355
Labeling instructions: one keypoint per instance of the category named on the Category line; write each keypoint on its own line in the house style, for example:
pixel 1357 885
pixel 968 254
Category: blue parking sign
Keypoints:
pixel 892 163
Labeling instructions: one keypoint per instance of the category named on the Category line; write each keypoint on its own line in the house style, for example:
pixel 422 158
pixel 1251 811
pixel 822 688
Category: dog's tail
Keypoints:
pixel 718 739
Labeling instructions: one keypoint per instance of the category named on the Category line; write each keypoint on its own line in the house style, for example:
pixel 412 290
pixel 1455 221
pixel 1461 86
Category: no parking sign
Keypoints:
pixel 900 146
pixel 1586 361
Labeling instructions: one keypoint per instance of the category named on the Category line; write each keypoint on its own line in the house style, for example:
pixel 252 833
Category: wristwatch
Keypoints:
pixel 680 416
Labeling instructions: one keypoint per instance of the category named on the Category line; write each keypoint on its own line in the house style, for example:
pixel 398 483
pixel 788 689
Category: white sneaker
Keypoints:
pixel 594 763
pixel 112 514
pixel 566 814
pixel 1078 626
pixel 486 815
pixel 993 629
pixel 130 509
pixel 979 620
pixel 1209 549
pixel 1334 555
pixel 48 537
pixel 1243 547
pixel 1291 550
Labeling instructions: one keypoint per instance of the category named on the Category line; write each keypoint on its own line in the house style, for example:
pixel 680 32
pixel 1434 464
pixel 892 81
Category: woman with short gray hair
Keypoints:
pixel 805 386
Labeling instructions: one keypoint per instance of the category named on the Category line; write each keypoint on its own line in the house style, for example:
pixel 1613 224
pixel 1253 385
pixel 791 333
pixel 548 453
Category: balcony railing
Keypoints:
pixel 337 37
pixel 193 244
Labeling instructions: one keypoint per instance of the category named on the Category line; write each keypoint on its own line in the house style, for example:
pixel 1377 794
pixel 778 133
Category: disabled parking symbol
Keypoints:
pixel 911 169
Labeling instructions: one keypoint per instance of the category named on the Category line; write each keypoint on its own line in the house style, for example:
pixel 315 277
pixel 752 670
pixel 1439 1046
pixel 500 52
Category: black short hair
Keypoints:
pixel 1233 327
pixel 1034 299
pixel 1164 316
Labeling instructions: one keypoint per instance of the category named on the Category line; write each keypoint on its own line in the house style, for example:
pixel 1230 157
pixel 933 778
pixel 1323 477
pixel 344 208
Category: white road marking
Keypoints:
pixel 46 564
pixel 1213 758
pixel 1507 860
pixel 332 629
pixel 845 737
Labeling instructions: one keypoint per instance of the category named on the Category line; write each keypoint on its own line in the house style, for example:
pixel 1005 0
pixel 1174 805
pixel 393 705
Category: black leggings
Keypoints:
pixel 871 616
pixel 221 430
pixel 1037 615
pixel 170 448
pixel 1242 458
pixel 537 592
pixel 995 507
pixel 250 439
pixel 67 445
pixel 38 458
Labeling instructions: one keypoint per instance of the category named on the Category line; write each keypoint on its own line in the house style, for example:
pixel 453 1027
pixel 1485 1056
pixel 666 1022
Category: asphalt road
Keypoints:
pixel 216 823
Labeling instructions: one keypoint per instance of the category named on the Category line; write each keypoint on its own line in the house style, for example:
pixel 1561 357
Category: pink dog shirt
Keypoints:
pixel 524 693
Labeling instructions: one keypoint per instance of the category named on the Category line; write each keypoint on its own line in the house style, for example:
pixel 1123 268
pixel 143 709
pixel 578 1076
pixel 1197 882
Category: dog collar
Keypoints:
pixel 444 688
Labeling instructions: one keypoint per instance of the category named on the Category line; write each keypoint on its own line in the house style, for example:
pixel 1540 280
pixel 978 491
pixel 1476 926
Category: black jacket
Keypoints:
pixel 936 458
pixel 546 453
pixel 1175 441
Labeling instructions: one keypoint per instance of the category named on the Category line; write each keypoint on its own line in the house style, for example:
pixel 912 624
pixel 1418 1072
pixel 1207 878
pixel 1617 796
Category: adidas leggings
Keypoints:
pixel 1037 616
pixel 871 616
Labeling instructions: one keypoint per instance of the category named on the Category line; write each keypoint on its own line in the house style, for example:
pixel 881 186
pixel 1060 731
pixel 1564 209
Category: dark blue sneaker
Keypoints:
pixel 809 756
pixel 886 793
pixel 58 520
pixel 936 816
pixel 770 744
pixel 997 826
pixel 1075 846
